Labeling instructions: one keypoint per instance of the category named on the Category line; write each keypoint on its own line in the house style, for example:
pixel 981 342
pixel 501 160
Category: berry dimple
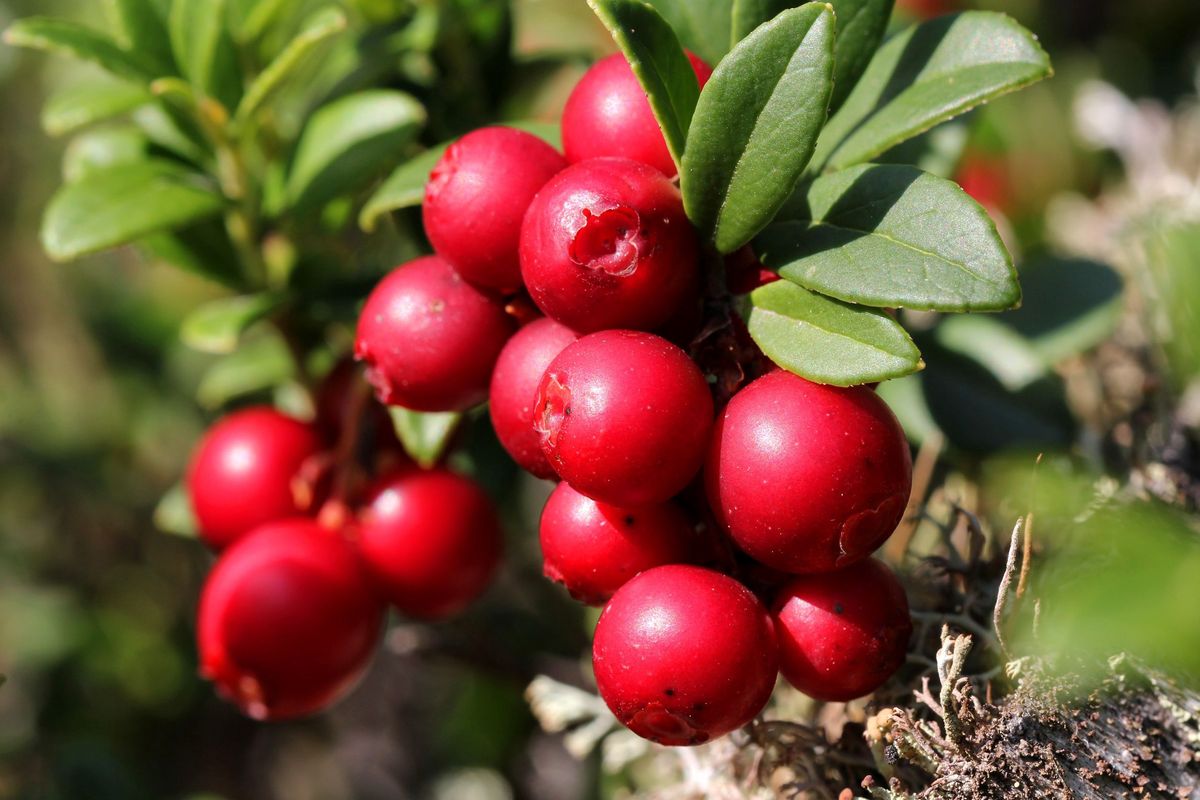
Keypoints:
pixel 666 727
pixel 607 242
pixel 553 408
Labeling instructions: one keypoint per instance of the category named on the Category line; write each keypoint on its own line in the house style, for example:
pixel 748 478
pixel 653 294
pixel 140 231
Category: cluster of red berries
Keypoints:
pixel 806 480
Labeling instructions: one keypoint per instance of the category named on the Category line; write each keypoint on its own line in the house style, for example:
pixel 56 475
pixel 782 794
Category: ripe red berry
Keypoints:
pixel 244 472
pixel 606 244
pixel 477 196
pixel 429 338
pixel 624 417
pixel 515 381
pixel 430 540
pixel 805 477
pixel 684 654
pixel 608 114
pixel 286 623
pixel 844 633
pixel 593 548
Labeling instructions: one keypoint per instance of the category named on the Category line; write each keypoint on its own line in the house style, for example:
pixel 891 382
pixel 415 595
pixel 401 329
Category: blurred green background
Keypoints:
pixel 99 410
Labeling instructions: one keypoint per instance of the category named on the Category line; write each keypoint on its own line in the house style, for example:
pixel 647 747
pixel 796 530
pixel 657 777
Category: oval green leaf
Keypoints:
pixel 174 515
pixel 262 363
pixel 702 25
pixel 892 236
pixel 860 27
pixel 425 435
pixel 828 341
pixel 122 204
pixel 77 41
pixel 80 105
pixel 217 326
pixel 101 149
pixel 204 49
pixel 926 75
pixel 756 125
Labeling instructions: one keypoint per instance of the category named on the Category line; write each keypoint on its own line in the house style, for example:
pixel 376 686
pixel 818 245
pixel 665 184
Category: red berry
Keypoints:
pixel 243 472
pixel 844 633
pixel 744 272
pixel 286 623
pixel 805 477
pixel 518 372
pixel 624 417
pixel 684 654
pixel 430 339
pixel 986 179
pixel 593 548
pixel 430 540
pixel 608 114
pixel 477 196
pixel 606 244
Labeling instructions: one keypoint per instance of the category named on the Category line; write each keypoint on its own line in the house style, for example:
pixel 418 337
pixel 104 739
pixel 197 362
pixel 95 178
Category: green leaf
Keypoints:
pixel 892 236
pixel 217 326
pixel 828 341
pixel 101 149
pixel 202 249
pixel 123 204
pixel 349 141
pixel 80 105
pixel 69 38
pixel 255 17
pixel 702 25
pixel 756 125
pixel 926 75
pixel 261 363
pixel 322 25
pixel 142 30
pixel 204 49
pixel 173 514
pixel 425 436
pixel 860 27
pixel 405 187
pixel 170 130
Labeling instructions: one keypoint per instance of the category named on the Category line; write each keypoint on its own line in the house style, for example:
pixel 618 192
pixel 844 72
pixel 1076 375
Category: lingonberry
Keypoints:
pixel 624 417
pixel 515 380
pixel 431 541
pixel 245 472
pixel 593 548
pixel 808 478
pixel 684 654
pixel 286 622
pixel 842 634
pixel 430 339
pixel 744 272
pixel 608 114
pixel 606 244
pixel 477 196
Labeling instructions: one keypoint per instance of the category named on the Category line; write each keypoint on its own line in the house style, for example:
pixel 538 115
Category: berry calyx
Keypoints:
pixel 515 380
pixel 431 541
pixel 246 471
pixel 286 622
pixel 606 244
pixel 807 478
pixel 477 196
pixel 429 338
pixel 844 633
pixel 683 655
pixel 608 115
pixel 594 548
pixel 624 417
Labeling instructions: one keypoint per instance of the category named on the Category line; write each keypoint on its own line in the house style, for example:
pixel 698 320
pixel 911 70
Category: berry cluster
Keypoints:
pixel 801 482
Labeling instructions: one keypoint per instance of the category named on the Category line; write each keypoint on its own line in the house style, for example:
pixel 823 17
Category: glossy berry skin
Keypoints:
pixel 431 541
pixel 429 338
pixel 624 417
pixel 608 115
pixel 515 380
pixel 606 244
pixel 477 196
pixel 842 634
pixel 807 478
pixel 594 548
pixel 243 471
pixel 287 623
pixel 683 655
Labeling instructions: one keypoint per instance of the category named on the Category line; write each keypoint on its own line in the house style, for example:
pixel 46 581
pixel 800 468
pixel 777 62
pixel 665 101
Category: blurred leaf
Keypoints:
pixel 123 204
pixel 702 25
pixel 756 125
pixel 860 27
pixel 892 236
pixel 658 61
pixel 1069 306
pixel 926 75
pixel 425 436
pixel 1173 256
pixel 252 18
pixel 202 249
pixel 144 31
pixel 204 49
pixel 405 187
pixel 80 105
pixel 1008 356
pixel 173 514
pixel 260 364
pixel 217 326
pixel 72 39
pixel 906 397
pixel 102 149
pixel 828 341
pixel 349 141
pixel 321 26
pixel 166 131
